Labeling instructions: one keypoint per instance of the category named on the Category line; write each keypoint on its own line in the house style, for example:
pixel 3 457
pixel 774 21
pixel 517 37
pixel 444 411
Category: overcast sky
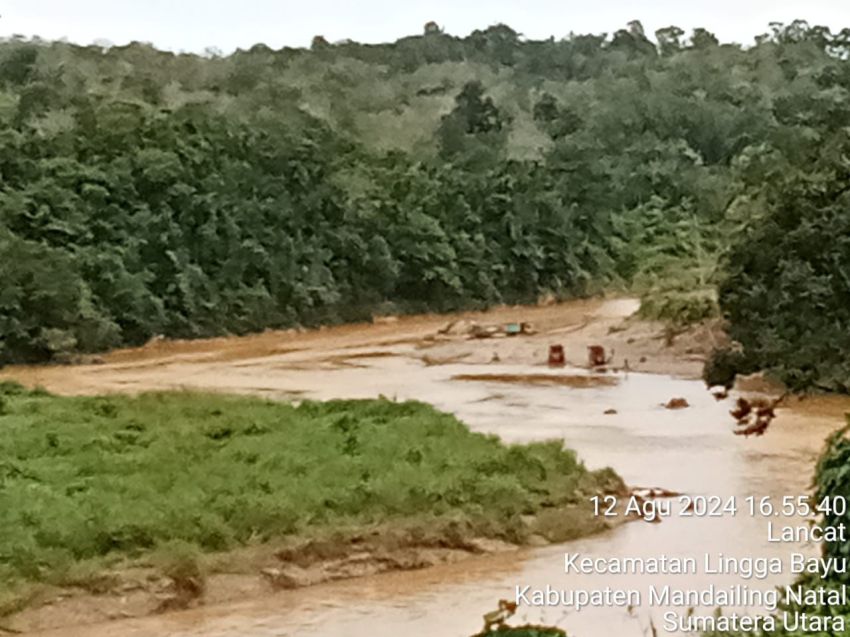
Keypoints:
pixel 194 25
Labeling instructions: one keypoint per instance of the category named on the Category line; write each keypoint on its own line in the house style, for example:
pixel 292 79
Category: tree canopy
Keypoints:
pixel 144 192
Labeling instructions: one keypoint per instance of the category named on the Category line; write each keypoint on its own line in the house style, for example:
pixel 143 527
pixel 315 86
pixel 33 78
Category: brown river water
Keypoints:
pixel 691 450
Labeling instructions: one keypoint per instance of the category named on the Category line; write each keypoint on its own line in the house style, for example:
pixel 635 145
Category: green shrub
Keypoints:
pixel 724 364
pixel 92 479
pixel 678 308
pixel 181 563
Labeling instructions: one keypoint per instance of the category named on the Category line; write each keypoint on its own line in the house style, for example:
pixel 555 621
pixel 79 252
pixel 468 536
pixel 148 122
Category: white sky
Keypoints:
pixel 193 25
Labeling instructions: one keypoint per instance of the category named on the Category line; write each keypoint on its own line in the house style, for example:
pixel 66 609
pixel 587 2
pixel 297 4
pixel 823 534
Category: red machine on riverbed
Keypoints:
pixel 556 356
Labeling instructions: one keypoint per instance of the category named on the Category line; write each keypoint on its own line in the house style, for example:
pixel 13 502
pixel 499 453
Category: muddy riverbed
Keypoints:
pixel 497 386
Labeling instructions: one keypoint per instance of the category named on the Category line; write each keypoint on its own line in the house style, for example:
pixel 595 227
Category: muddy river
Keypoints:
pixel 691 450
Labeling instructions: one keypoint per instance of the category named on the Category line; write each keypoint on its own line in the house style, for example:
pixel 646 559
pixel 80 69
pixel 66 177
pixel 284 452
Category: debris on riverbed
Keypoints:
pixel 642 495
pixel 495 624
pixel 497 618
pixel 677 403
pixel 183 591
pixel 485 331
pixel 431 361
pixel 653 492
pixel 456 328
pixel 280 579
pixel 719 392
pixel 474 330
pixel 514 329
pixel 754 415
pixel 756 427
pixel 742 409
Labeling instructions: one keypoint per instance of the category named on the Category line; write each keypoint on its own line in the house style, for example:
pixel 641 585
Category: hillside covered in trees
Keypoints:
pixel 144 192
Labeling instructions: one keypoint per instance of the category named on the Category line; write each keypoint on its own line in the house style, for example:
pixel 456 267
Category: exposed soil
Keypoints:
pixel 268 364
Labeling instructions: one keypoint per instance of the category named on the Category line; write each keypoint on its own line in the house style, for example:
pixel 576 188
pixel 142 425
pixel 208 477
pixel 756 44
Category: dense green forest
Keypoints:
pixel 144 192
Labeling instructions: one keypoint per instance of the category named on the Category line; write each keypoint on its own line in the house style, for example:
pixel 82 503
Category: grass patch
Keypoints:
pixel 169 477
pixel 679 308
